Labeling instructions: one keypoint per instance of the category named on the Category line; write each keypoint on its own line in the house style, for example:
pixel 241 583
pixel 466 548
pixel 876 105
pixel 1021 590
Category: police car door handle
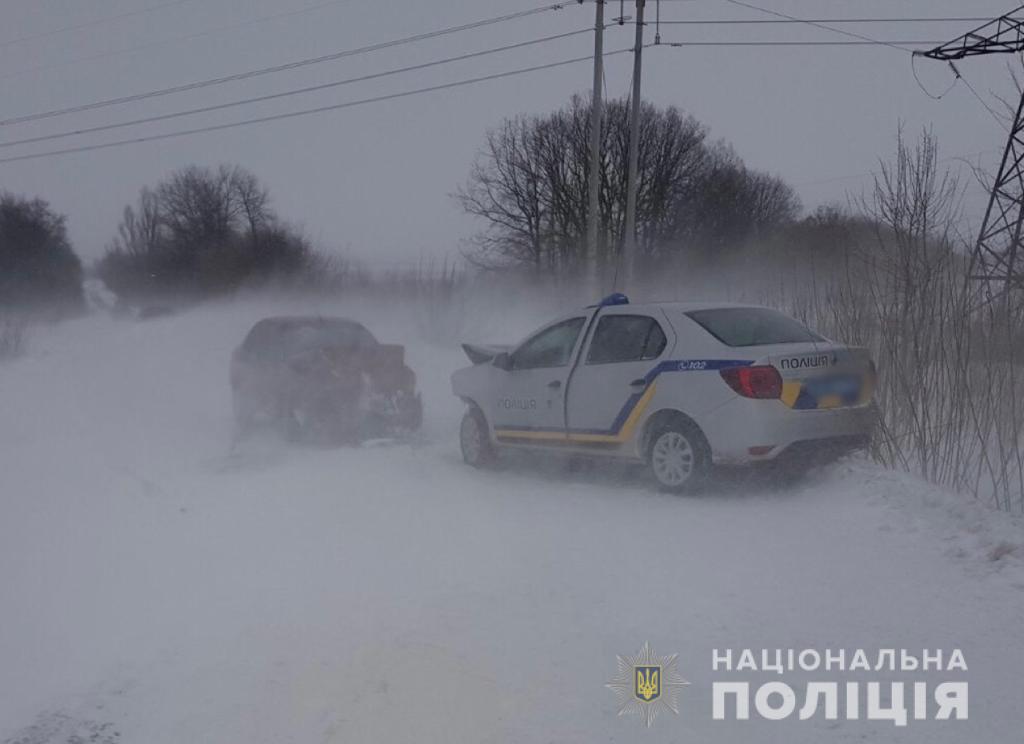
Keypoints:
pixel 638 383
pixel 555 384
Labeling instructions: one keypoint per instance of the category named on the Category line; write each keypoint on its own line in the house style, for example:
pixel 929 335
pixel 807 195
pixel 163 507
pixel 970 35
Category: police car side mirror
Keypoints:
pixel 503 361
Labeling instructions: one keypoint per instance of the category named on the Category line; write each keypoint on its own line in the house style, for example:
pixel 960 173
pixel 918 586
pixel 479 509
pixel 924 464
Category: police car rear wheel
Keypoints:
pixel 474 440
pixel 678 458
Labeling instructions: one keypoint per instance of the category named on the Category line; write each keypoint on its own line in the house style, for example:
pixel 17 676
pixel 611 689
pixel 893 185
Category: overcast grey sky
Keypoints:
pixel 375 181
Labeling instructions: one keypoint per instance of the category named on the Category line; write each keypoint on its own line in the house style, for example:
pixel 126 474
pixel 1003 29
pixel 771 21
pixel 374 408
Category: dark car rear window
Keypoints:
pixel 752 326
pixel 335 335
pixel 287 336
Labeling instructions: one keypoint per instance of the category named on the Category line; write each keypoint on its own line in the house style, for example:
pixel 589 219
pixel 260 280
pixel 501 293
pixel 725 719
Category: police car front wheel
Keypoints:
pixel 475 440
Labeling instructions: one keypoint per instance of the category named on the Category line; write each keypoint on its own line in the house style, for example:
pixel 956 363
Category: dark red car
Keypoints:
pixel 324 379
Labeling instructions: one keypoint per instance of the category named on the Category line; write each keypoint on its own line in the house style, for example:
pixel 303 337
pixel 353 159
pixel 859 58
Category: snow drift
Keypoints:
pixel 161 581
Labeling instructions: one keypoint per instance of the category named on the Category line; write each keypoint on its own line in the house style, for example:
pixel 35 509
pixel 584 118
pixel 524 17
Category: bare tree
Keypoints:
pixel 730 206
pixel 200 231
pixel 38 267
pixel 529 184
pixel 505 190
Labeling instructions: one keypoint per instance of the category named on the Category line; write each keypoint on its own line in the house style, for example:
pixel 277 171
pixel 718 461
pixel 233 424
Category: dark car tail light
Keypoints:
pixel 754 382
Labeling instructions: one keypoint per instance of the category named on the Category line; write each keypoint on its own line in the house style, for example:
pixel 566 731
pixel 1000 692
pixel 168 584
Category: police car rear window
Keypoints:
pixel 752 326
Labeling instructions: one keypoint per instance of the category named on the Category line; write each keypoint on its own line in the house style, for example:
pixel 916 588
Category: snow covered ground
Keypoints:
pixel 160 583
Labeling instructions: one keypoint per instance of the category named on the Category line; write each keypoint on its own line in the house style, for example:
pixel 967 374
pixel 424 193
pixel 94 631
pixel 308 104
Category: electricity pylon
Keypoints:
pixel 997 259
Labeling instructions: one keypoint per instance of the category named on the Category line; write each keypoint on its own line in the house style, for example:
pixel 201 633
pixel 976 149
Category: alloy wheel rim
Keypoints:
pixel 672 459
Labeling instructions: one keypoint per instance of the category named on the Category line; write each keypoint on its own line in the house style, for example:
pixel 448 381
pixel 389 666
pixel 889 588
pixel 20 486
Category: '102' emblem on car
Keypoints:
pixel 692 364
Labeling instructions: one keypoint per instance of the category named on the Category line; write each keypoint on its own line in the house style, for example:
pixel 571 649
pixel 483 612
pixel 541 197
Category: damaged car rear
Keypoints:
pixel 323 379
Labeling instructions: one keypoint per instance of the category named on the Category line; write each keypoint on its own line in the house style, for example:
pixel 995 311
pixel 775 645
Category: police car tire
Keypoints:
pixel 474 439
pixel 682 440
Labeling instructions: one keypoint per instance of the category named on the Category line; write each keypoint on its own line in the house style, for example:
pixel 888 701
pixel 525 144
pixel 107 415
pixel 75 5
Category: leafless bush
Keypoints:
pixel 951 386
pixel 997 401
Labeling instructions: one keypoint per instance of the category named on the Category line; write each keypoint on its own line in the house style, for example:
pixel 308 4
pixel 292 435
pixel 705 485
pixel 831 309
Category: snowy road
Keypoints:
pixel 158 584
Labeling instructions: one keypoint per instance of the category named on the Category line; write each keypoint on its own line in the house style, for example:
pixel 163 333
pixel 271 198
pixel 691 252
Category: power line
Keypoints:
pixel 295 91
pixel 917 79
pixel 95 22
pixel 682 44
pixel 280 68
pixel 760 21
pixel 311 111
pixel 981 100
pixel 816 24
pixel 165 42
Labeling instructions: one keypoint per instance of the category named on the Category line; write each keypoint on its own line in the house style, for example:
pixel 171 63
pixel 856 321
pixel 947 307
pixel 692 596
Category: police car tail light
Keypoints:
pixel 754 382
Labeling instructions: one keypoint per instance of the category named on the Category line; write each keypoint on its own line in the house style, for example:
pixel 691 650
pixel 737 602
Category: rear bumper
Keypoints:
pixel 747 431
pixel 402 411
pixel 820 451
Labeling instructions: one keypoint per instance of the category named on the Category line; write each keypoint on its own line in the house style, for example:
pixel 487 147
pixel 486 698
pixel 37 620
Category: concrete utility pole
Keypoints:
pixel 629 238
pixel 594 184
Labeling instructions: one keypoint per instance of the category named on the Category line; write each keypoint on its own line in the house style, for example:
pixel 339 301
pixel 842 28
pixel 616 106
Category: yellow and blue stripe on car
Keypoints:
pixel 830 392
pixel 629 415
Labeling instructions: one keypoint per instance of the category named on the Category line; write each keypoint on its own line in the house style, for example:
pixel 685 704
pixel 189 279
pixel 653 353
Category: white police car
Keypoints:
pixel 677 385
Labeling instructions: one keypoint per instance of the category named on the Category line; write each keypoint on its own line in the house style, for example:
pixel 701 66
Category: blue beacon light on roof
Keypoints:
pixel 615 298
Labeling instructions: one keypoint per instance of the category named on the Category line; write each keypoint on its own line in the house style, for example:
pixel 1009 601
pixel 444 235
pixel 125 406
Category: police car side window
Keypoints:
pixel 551 347
pixel 626 338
